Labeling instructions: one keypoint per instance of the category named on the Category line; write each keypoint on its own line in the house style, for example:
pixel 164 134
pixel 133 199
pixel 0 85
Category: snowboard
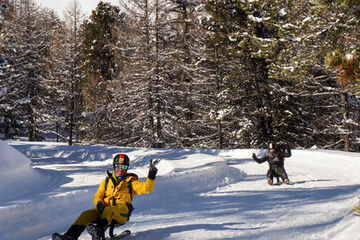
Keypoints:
pixel 122 235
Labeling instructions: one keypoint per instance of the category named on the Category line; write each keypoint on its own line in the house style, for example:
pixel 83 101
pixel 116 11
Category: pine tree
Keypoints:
pixel 9 127
pixel 225 17
pixel 74 18
pixel 65 74
pixel 255 35
pixel 142 105
pixel 189 86
pixel 162 85
pixel 47 24
pixel 58 75
pixel 99 39
pixel 3 7
pixel 346 64
pixel 318 31
pixel 277 55
pixel 26 46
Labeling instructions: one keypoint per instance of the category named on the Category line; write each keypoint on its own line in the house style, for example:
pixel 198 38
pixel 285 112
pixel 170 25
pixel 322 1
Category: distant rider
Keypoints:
pixel 275 158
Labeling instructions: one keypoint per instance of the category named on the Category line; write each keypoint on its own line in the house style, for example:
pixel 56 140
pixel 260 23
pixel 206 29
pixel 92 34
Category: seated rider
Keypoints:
pixel 275 158
pixel 112 200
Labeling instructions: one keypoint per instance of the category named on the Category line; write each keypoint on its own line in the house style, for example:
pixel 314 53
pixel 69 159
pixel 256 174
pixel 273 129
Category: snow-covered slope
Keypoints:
pixel 199 194
pixel 17 176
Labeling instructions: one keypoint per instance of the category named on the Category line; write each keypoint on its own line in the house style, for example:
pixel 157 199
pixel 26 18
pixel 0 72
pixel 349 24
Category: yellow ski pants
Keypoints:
pixel 110 213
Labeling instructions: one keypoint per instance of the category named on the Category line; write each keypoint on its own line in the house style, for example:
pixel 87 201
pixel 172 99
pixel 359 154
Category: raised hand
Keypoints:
pixel 153 170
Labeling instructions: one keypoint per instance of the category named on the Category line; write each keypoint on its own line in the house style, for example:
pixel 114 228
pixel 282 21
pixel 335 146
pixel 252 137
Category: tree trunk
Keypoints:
pixel 57 131
pixel 220 135
pixel 345 114
pixel 71 115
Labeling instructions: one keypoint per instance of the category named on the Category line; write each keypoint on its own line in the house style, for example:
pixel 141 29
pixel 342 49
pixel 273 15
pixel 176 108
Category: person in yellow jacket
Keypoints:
pixel 112 200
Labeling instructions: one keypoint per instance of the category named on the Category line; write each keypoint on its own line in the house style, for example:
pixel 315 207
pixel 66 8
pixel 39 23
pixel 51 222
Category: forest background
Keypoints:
pixel 183 74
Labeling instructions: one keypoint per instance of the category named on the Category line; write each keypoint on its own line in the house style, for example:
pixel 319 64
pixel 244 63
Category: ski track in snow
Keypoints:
pixel 199 194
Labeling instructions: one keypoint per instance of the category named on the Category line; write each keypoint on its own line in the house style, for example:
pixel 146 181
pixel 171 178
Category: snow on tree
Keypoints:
pixel 99 39
pixel 188 87
pixel 26 41
pixel 254 35
pixel 65 74
pixel 217 62
pixel 179 73
pixel 326 107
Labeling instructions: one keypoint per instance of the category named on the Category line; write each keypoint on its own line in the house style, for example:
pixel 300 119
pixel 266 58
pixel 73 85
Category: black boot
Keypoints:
pixel 72 233
pixel 57 236
pixel 97 230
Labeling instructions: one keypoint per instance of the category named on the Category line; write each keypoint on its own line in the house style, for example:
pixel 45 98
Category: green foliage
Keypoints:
pixel 99 37
pixel 347 66
pixel 209 74
pixel 334 59
pixel 227 17
pixel 253 39
pixel 346 62
pixel 353 6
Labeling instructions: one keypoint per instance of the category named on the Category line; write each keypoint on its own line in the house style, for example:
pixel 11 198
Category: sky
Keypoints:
pixel 199 194
pixel 86 5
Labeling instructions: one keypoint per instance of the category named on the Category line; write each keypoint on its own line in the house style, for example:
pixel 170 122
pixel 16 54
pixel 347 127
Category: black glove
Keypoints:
pixel 153 170
pixel 254 156
pixel 100 206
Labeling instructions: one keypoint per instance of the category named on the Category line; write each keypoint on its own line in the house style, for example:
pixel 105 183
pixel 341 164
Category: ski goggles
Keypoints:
pixel 120 166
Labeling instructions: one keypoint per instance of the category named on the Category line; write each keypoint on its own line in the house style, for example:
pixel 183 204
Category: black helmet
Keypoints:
pixel 275 146
pixel 121 159
pixel 278 146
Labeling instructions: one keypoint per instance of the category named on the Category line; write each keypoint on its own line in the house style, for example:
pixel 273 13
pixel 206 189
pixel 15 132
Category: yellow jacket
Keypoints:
pixel 117 193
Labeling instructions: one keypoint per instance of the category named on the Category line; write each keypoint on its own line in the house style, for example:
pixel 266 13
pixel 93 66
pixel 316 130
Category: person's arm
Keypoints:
pixel 99 195
pixel 141 188
pixel 259 160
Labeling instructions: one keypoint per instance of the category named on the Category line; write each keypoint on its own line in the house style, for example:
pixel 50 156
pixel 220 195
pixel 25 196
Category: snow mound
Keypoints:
pixel 199 180
pixel 16 173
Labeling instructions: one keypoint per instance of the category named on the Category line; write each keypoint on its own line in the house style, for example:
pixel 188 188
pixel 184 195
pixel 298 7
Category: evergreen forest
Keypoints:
pixel 207 74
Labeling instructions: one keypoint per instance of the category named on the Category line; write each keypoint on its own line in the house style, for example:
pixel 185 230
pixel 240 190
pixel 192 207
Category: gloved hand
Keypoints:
pixel 153 170
pixel 100 206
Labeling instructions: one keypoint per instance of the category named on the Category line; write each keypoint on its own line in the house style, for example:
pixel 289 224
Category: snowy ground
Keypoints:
pixel 199 194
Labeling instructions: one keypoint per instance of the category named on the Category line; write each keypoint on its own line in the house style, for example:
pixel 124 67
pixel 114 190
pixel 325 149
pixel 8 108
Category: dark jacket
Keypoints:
pixel 275 159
